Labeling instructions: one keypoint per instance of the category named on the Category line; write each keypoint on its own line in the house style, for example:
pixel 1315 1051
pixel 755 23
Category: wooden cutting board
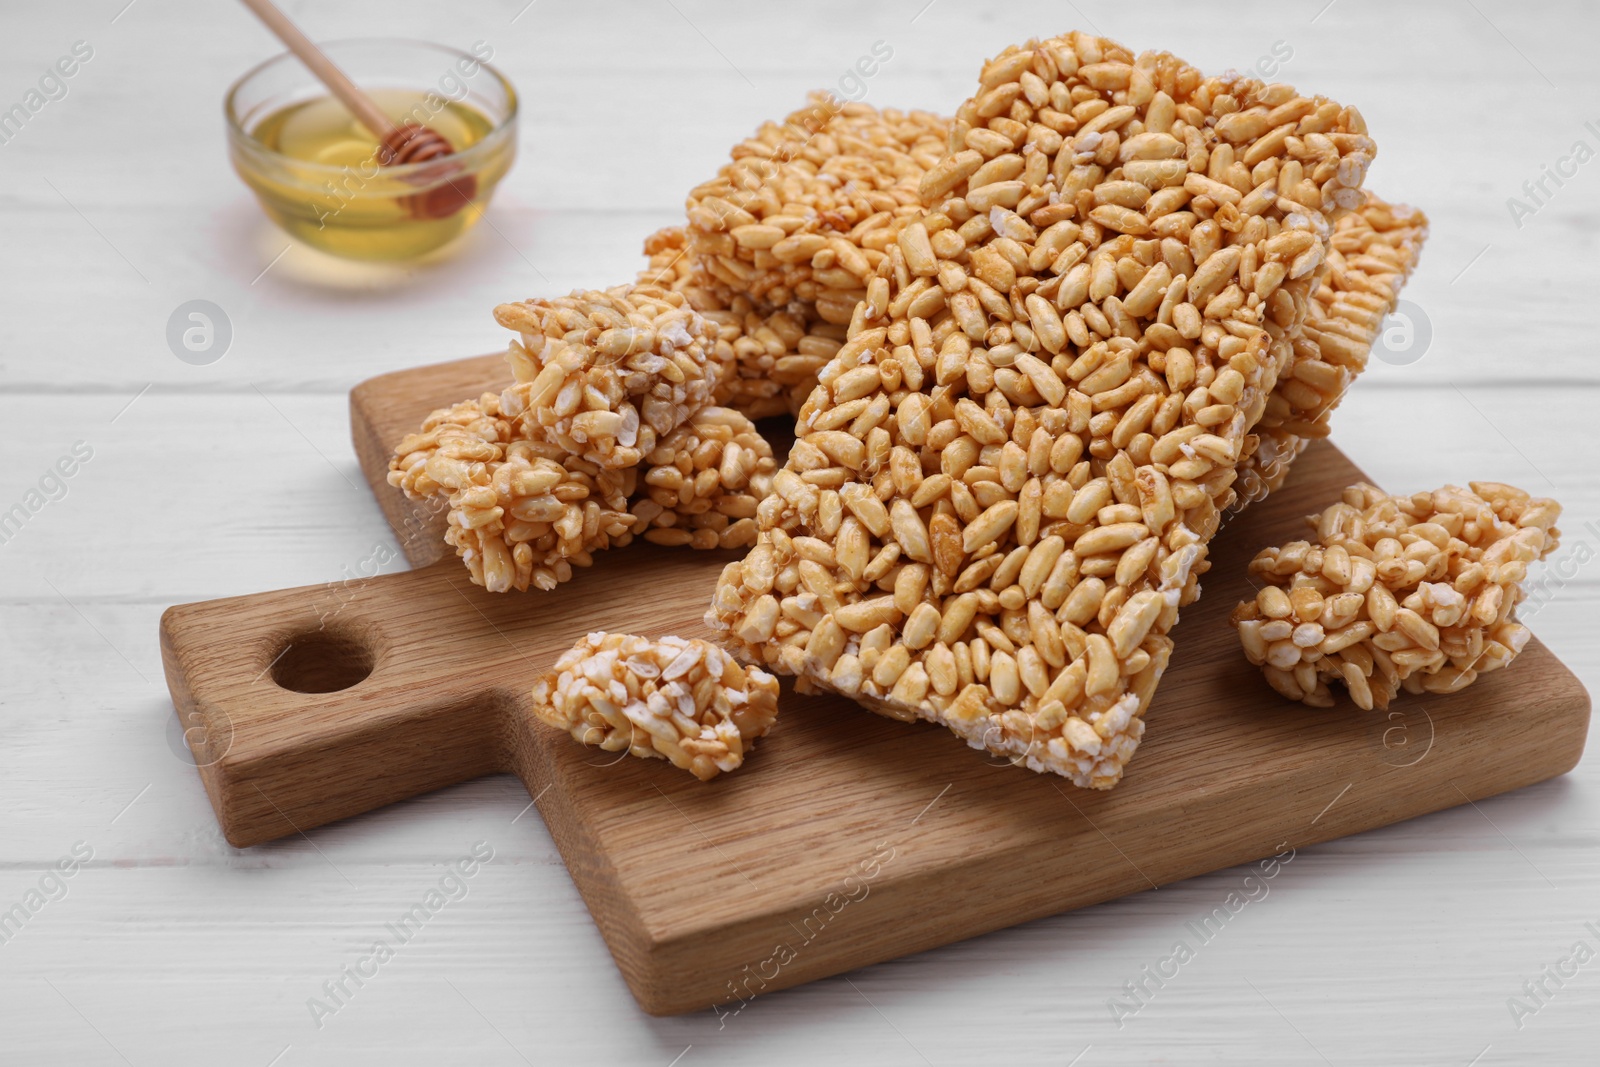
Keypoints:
pixel 846 839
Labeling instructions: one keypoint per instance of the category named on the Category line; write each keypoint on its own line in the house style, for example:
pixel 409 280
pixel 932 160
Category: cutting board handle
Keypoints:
pixel 318 703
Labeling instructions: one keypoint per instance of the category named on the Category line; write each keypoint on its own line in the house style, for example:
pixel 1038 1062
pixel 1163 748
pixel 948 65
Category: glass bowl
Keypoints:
pixel 338 199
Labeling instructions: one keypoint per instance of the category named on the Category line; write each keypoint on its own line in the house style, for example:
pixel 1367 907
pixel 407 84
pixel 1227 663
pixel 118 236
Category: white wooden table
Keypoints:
pixel 167 946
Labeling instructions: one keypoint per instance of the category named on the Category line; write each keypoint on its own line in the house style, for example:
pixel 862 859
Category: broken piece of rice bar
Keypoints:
pixel 774 355
pixel 524 513
pixel 703 483
pixel 1372 252
pixel 1416 592
pixel 605 375
pixel 521 512
pixel 686 701
pixel 806 208
pixel 1004 484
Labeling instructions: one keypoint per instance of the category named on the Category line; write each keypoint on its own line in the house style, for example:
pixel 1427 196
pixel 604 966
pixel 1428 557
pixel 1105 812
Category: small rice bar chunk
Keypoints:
pixel 669 698
pixel 1416 592
pixel 521 513
pixel 605 375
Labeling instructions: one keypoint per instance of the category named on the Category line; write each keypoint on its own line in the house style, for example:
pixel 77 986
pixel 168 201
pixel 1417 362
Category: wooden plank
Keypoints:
pixel 785 872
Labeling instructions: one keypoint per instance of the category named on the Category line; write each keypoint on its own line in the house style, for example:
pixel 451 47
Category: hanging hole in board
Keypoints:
pixel 322 662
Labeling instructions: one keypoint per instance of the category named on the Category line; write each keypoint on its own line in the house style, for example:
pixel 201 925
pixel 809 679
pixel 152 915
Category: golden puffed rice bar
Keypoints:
pixel 1372 253
pixel 1003 487
pixel 774 356
pixel 704 482
pixel 807 207
pixel 605 375
pixel 524 513
pixel 521 512
pixel 777 354
pixel 685 701
pixel 1416 592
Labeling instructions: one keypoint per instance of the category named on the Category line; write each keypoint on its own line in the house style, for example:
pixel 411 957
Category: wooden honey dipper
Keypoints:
pixel 400 144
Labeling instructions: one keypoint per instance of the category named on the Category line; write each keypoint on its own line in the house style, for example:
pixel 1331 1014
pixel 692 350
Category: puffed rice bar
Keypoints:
pixel 782 241
pixel 605 375
pixel 521 512
pixel 1003 487
pixel 1415 592
pixel 524 513
pixel 807 207
pixel 685 701
pixel 1371 254
pixel 702 485
pixel 774 355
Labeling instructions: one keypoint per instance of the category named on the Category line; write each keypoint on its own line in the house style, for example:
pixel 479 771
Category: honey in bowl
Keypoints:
pixel 325 185
pixel 318 173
